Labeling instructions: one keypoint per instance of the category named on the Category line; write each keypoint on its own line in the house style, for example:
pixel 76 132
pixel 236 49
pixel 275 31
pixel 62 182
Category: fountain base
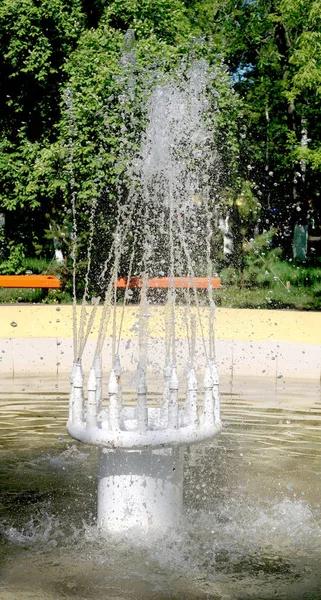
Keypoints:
pixel 139 489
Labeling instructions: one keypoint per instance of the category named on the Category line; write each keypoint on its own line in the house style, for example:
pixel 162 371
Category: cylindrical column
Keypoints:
pixel 142 410
pixel 164 408
pixel 77 409
pixel 173 400
pixel 208 397
pixel 216 393
pixel 117 367
pixel 91 417
pixel 117 371
pixel 99 387
pixel 71 395
pixel 191 408
pixel 141 489
pixel 113 402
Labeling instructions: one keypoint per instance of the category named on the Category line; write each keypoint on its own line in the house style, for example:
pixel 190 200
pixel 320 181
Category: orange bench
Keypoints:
pixel 29 281
pixel 166 282
pixel 51 281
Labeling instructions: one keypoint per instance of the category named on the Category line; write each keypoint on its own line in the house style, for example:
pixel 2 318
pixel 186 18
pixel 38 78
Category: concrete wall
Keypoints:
pixel 38 340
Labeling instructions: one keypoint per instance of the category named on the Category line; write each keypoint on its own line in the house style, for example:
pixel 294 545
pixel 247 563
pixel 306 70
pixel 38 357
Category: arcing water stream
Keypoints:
pixel 167 190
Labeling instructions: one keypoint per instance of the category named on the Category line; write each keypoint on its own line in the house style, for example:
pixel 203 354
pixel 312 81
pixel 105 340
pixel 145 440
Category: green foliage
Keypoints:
pixel 57 297
pixel 35 41
pixel 247 203
pixel 165 19
pixel 18 263
pixel 12 296
pixel 276 298
pixel 72 88
pixel 273 51
pixel 14 265
pixel 268 281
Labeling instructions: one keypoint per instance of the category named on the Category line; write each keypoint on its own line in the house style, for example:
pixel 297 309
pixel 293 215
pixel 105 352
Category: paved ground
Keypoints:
pixel 268 343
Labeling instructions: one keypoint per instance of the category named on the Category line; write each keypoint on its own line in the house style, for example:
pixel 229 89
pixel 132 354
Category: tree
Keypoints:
pixel 35 40
pixel 74 106
pixel 109 83
pixel 273 52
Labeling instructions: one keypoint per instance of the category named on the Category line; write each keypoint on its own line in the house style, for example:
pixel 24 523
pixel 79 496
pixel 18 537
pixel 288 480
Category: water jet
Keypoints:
pixel 165 237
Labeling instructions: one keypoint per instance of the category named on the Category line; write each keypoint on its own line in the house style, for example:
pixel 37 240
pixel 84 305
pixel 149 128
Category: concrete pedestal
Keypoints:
pixel 139 488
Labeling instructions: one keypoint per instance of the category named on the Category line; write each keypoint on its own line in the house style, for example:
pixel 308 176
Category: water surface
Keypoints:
pixel 252 525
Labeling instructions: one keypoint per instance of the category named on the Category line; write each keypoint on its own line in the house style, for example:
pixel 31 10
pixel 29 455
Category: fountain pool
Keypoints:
pixel 251 527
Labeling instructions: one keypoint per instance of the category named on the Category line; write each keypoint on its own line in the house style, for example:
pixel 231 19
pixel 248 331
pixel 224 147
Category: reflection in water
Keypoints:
pixel 252 526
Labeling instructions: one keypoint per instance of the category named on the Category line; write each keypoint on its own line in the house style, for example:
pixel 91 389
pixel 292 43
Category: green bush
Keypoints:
pixel 14 265
pixel 269 281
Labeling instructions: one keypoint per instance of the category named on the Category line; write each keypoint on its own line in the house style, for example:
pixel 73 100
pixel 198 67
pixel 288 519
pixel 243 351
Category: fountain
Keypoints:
pixel 141 461
pixel 163 228
pixel 252 519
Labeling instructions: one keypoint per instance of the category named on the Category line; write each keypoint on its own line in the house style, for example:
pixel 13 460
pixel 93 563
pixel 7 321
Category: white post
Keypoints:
pixel 208 397
pixel 77 409
pixel 91 417
pixel 117 367
pixel 216 393
pixel 164 408
pixel 117 370
pixel 140 489
pixel 191 408
pixel 99 387
pixel 142 413
pixel 71 395
pixel 173 400
pixel 113 401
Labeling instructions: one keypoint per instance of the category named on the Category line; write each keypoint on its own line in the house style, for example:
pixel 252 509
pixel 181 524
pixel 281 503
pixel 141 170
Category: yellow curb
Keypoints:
pixel 50 321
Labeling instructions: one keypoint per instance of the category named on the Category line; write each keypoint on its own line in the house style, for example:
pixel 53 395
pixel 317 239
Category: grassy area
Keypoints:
pixel 37 266
pixel 23 295
pixel 234 296
pixel 267 282
pixel 270 282
pixel 14 295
